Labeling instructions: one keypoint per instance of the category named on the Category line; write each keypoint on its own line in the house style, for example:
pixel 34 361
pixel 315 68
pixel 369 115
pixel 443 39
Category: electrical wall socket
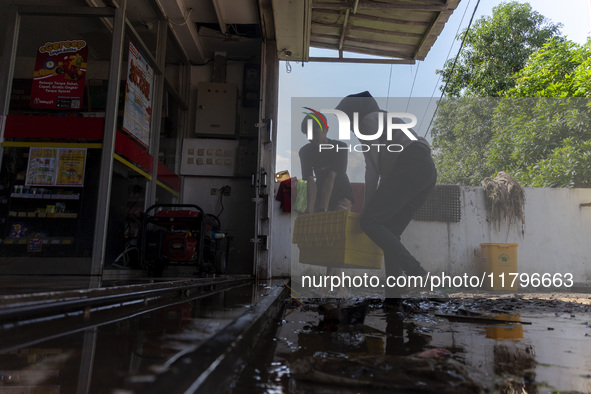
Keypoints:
pixel 227 190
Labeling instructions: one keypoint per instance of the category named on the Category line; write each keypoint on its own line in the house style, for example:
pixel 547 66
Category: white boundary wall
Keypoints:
pixel 556 237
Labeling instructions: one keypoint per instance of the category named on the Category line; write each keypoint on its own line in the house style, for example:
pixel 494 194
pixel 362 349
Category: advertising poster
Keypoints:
pixel 70 167
pixel 42 167
pixel 56 167
pixel 138 97
pixel 60 70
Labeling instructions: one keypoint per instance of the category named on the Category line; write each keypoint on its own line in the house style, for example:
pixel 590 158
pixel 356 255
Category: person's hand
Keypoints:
pixel 345 203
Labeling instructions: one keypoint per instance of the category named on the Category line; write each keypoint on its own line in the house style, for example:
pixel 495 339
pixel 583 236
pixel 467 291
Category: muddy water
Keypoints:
pixel 378 349
pixel 120 354
pixel 553 353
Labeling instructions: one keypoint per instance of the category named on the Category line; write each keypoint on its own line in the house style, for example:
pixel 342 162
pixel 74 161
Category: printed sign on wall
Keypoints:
pixel 60 70
pixel 42 167
pixel 56 167
pixel 70 167
pixel 138 97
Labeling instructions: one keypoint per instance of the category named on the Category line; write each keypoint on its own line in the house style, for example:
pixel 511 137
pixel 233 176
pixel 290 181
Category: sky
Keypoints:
pixel 315 79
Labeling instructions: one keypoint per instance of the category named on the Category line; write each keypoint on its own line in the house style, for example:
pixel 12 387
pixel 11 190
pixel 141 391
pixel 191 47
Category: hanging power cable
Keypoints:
pixel 446 58
pixel 412 86
pixel 453 66
pixel 388 93
pixel 223 190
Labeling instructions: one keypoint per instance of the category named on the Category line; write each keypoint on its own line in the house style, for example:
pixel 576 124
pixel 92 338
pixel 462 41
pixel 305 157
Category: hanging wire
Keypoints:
pixel 389 82
pixel 413 85
pixel 446 58
pixel 453 65
pixel 183 22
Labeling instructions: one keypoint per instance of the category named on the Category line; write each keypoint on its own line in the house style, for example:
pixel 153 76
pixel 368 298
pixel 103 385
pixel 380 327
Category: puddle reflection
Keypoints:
pixel 113 356
pixel 345 348
pixel 550 354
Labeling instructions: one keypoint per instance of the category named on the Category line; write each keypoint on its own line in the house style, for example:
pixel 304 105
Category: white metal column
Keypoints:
pixel 156 119
pixel 106 173
pixel 7 68
pixel 266 162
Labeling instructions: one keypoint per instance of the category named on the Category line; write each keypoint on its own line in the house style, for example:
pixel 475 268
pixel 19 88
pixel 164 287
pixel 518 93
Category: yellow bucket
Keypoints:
pixel 500 260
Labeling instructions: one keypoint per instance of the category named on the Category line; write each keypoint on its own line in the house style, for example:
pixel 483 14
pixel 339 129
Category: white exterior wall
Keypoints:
pixel 556 238
pixel 280 242
pixel 238 217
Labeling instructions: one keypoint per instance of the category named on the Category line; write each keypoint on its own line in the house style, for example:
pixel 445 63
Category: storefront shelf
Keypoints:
pixel 46 241
pixel 46 196
pixel 36 215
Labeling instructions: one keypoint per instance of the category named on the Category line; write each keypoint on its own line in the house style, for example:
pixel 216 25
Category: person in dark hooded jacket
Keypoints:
pixel 396 183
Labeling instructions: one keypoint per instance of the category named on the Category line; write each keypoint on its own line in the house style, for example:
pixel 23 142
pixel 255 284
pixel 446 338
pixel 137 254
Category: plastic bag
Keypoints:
pixel 301 202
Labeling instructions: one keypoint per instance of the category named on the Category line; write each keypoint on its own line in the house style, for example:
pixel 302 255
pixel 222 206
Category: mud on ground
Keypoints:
pixel 453 342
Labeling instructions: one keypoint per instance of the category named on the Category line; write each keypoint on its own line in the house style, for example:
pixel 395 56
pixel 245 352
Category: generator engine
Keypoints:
pixel 180 246
pixel 181 234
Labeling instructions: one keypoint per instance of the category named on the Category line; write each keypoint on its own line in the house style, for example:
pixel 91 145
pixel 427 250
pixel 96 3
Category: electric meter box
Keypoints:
pixel 216 109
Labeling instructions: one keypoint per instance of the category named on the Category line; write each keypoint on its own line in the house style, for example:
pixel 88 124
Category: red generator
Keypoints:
pixel 180 247
pixel 180 234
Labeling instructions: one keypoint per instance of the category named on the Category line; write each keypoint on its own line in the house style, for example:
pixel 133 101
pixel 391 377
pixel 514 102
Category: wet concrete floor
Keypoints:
pixel 31 284
pixel 420 346
pixel 123 354
pixel 513 344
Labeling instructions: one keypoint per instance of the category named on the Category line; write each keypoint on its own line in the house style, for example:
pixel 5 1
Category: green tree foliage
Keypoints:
pixel 462 131
pixel 538 129
pixel 559 69
pixel 545 141
pixel 495 48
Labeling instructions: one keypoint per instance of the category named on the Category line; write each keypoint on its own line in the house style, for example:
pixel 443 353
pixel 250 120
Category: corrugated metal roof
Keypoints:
pixel 401 30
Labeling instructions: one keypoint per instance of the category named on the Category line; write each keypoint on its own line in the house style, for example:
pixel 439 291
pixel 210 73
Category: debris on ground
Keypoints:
pixel 401 373
pixel 425 345
pixel 483 319
pixel 435 353
pixel 341 313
